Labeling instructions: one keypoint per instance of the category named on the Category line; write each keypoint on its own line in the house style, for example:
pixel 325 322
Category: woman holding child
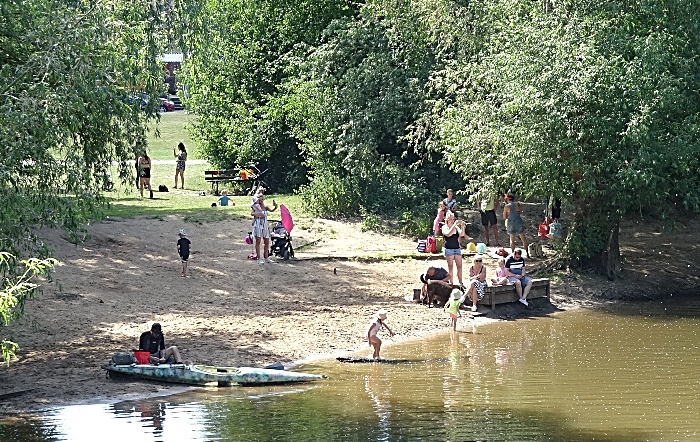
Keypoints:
pixel 452 230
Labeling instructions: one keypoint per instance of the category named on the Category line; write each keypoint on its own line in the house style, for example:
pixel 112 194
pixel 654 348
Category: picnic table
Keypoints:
pixel 249 175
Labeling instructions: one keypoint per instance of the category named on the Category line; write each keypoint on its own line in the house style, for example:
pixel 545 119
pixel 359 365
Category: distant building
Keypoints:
pixel 171 63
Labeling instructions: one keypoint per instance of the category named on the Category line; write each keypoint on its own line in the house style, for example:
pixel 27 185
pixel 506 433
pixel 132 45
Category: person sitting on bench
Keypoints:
pixel 515 270
pixel 153 342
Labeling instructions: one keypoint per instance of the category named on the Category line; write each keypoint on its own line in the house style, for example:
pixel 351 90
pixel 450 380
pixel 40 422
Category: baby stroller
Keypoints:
pixel 281 242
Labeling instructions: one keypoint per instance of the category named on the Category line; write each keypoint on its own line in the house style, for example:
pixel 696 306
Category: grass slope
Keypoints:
pixel 172 130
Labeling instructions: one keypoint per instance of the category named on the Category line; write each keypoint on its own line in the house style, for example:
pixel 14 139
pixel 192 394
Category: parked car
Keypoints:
pixel 142 99
pixel 166 105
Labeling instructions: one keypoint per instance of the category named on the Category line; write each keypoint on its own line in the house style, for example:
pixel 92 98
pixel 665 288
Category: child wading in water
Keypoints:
pixel 372 331
pixel 452 307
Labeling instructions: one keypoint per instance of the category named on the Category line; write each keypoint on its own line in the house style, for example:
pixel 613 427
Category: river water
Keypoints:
pixel 623 374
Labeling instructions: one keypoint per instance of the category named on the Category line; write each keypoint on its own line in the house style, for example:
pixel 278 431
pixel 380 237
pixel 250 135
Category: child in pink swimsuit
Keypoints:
pixel 439 217
pixel 501 278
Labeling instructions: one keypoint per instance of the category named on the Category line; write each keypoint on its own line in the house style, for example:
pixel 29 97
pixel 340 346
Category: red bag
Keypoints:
pixel 430 245
pixel 543 229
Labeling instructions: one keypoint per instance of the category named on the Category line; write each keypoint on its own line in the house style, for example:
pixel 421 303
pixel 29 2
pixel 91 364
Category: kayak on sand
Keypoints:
pixel 203 374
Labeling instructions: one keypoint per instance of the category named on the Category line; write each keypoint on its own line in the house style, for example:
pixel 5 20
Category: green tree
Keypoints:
pixel 594 102
pixel 72 75
pixel 18 286
pixel 237 59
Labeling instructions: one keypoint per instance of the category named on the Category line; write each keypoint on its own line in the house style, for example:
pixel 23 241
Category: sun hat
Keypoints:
pixel 381 314
pixel 456 293
pixel 182 232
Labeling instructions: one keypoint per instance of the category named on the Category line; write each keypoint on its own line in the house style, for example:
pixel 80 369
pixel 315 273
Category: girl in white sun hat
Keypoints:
pixel 372 331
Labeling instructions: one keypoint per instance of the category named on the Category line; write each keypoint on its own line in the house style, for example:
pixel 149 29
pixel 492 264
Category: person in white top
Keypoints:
pixel 260 228
pixel 372 331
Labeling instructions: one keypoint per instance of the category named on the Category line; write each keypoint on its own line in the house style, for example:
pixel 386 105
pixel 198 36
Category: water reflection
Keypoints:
pixel 623 375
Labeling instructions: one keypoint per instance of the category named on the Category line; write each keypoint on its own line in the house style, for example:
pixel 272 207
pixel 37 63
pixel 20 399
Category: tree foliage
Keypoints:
pixel 69 72
pixel 16 289
pixel 595 103
pixel 237 59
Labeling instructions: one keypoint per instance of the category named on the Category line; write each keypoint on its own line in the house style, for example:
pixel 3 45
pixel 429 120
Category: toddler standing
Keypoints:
pixel 183 249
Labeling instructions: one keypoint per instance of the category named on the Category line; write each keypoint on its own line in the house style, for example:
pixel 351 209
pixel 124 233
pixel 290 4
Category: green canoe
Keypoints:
pixel 204 375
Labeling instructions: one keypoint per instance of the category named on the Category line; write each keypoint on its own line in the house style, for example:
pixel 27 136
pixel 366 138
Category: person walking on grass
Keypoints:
pixel 452 307
pixel 180 158
pixel 183 249
pixel 372 331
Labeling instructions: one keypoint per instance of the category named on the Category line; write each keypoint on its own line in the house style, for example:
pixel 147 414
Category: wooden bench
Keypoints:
pixel 501 294
pixel 222 176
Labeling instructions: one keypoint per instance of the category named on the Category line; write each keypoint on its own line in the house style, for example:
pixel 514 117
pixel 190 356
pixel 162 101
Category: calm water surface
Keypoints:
pixel 629 374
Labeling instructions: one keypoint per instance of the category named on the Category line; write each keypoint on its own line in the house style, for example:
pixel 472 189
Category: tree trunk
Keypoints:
pixel 594 238
pixel 607 261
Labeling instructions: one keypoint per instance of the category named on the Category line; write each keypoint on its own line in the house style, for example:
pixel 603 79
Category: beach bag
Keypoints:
pixel 543 229
pixel 554 230
pixel 532 250
pixel 122 358
pixel 439 241
pixel 162 188
pixel 421 246
pixel 430 245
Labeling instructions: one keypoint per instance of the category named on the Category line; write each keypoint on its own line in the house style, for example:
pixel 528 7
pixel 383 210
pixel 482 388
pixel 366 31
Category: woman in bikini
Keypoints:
pixel 144 166
pixel 180 158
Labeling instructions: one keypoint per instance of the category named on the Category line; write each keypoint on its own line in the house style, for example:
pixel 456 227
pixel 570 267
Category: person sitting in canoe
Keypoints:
pixel 153 342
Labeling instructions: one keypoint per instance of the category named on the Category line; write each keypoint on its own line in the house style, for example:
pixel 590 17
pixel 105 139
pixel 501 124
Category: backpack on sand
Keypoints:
pixel 122 358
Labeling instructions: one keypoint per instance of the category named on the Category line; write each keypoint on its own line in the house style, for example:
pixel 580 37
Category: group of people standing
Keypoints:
pixel 512 211
pixel 144 164
pixel 453 231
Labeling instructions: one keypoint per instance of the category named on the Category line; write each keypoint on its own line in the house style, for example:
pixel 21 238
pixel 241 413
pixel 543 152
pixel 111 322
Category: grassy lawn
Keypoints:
pixel 172 131
pixel 126 202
